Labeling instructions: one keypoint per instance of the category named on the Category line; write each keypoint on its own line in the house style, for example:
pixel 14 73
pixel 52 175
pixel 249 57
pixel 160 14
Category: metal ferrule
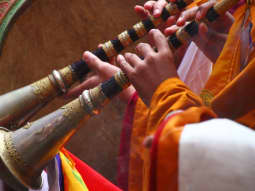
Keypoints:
pixel 87 104
pixel 125 39
pixel 182 35
pixel 97 97
pixel 109 49
pixel 58 80
pixel 68 76
pixel 156 21
pixel 122 79
pixel 172 8
pixel 140 29
pixel 223 6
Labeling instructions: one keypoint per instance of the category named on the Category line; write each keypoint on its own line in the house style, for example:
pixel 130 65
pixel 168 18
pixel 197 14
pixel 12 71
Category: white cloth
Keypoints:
pixel 50 180
pixel 195 68
pixel 45 185
pixel 217 155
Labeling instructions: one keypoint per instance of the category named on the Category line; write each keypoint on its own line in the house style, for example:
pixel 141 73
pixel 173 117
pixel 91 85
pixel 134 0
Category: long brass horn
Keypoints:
pixel 18 106
pixel 25 152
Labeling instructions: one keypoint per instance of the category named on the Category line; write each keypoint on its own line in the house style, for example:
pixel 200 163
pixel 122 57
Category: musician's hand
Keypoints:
pixel 147 74
pixel 154 8
pixel 210 40
pixel 101 71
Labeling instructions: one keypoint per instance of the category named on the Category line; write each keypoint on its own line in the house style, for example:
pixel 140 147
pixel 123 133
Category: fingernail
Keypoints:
pixel 179 20
pixel 166 32
pixel 86 55
pixel 156 12
pixel 119 58
pixel 127 54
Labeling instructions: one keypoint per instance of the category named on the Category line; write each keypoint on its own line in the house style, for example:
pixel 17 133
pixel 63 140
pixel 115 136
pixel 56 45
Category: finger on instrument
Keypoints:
pixel 77 90
pixel 187 15
pixel 203 9
pixel 158 7
pixel 149 5
pixel 93 61
pixel 171 30
pixel 124 65
pixel 158 40
pixel 132 59
pixel 171 20
pixel 141 12
pixel 144 49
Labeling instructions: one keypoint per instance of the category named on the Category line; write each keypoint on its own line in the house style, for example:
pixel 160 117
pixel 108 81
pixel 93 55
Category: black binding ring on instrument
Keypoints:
pixel 211 15
pixel 175 41
pixel 110 88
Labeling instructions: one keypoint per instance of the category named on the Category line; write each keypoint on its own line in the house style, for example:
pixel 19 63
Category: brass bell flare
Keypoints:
pixel 11 173
pixel 25 152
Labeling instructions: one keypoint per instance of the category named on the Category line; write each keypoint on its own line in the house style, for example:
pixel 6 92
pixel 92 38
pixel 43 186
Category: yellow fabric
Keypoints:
pixel 196 3
pixel 227 65
pixel 72 178
pixel 171 95
pixel 168 146
pixel 136 150
pixel 226 75
pixel 239 92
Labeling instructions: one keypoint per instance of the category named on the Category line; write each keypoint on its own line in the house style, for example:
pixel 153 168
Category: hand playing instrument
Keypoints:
pixel 20 105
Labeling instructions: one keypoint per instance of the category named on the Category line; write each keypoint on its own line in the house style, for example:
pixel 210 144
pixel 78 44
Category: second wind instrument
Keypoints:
pixel 24 153
pixel 20 105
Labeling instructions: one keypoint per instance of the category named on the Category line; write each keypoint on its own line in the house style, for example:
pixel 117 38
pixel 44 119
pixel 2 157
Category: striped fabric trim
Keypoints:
pixel 123 159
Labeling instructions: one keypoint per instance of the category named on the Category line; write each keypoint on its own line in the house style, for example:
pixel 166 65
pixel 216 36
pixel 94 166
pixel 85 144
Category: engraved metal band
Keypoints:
pixel 97 97
pixel 140 29
pixel 125 39
pixel 156 21
pixel 86 102
pixel 68 75
pixel 172 8
pixel 182 35
pixel 222 6
pixel 59 81
pixel 14 155
pixel 122 79
pixel 109 49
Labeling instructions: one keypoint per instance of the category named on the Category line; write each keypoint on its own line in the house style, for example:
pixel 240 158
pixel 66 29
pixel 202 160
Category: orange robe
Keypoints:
pixel 191 151
pixel 164 154
pixel 221 93
pixel 229 90
pixel 140 122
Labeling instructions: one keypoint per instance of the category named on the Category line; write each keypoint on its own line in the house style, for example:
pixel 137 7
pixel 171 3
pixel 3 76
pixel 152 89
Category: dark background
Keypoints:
pixel 50 34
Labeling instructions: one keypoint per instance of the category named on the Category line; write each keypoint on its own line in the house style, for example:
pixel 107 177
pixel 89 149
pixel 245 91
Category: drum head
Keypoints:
pixel 50 34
